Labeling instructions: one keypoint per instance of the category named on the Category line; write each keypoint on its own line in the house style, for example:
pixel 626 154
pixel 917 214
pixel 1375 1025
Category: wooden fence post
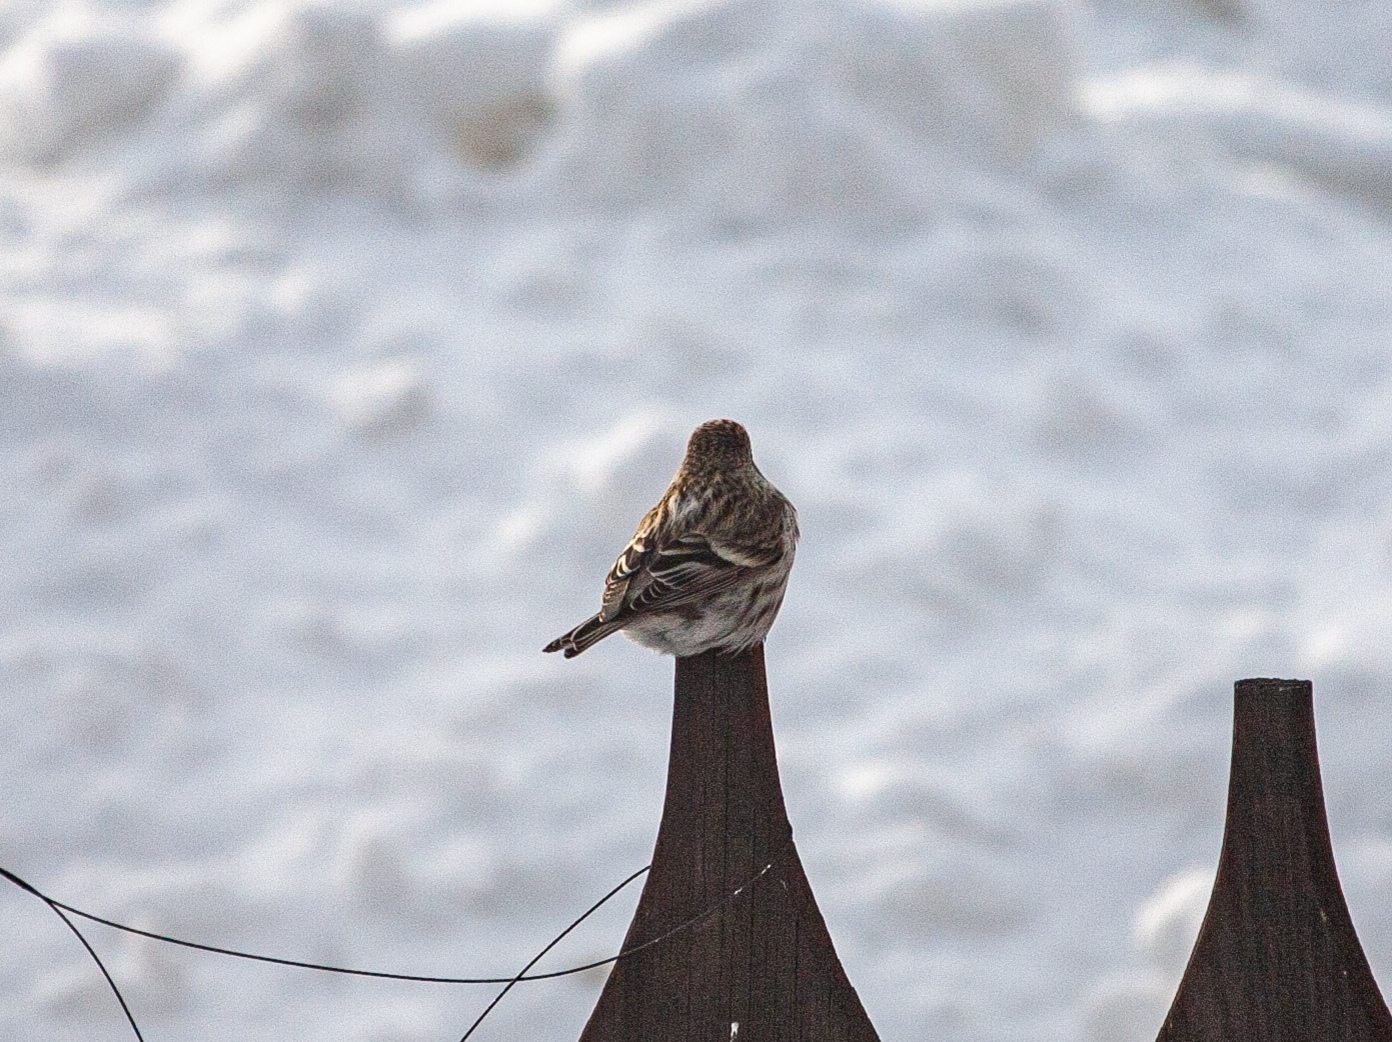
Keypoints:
pixel 761 967
pixel 1277 958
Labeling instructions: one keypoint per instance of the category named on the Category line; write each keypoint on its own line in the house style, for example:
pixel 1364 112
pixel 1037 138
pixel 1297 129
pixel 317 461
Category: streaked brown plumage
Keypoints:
pixel 708 565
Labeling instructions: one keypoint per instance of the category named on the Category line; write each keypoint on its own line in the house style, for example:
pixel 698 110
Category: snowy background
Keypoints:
pixel 342 345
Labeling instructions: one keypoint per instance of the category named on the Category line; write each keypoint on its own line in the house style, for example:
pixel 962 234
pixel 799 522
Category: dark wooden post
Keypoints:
pixel 762 967
pixel 1277 959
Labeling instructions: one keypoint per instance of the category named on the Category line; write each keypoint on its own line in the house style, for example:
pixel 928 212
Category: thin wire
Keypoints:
pixel 58 911
pixel 323 968
pixel 381 975
pixel 538 957
pixel 59 908
pixel 693 921
pixel 704 914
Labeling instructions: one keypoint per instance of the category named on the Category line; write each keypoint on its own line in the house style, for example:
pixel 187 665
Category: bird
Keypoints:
pixel 708 565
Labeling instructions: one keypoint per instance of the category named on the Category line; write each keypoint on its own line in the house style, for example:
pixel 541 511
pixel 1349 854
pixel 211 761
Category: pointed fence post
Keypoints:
pixel 1277 958
pixel 760 967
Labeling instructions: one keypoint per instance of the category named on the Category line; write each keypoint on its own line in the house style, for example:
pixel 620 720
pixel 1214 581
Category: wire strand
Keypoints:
pixel 130 1018
pixel 626 953
pixel 296 963
pixel 59 908
pixel 539 955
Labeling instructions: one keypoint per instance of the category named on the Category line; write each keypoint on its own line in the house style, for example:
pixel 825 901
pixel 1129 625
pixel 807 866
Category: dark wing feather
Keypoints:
pixel 590 632
pixel 630 563
pixel 659 578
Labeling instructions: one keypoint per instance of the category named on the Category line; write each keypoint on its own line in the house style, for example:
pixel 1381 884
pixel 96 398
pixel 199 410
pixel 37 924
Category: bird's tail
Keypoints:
pixel 591 631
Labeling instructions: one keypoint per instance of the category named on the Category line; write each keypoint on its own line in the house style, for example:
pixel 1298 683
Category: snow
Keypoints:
pixel 342 345
pixel 72 81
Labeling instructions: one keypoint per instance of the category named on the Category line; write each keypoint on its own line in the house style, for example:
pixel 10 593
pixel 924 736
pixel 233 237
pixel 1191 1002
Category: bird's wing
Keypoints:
pixel 651 577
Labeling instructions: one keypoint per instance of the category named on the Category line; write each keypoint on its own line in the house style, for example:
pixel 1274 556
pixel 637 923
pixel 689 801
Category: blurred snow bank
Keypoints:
pixel 293 97
pixel 75 80
pixel 755 108
pixel 769 109
pixel 476 76
pixel 1340 145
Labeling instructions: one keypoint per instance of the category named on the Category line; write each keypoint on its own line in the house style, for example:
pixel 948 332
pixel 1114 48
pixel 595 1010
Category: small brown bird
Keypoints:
pixel 708 565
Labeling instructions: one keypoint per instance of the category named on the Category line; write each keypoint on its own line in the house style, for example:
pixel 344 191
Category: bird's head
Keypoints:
pixel 719 445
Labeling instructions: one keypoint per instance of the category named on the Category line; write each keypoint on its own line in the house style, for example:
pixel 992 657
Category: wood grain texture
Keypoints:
pixel 1277 958
pixel 765 961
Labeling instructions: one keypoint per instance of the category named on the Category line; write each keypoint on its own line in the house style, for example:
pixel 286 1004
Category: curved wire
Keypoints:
pixel 59 908
pixel 538 957
pixel 130 1019
pixel 705 913
pixel 297 964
